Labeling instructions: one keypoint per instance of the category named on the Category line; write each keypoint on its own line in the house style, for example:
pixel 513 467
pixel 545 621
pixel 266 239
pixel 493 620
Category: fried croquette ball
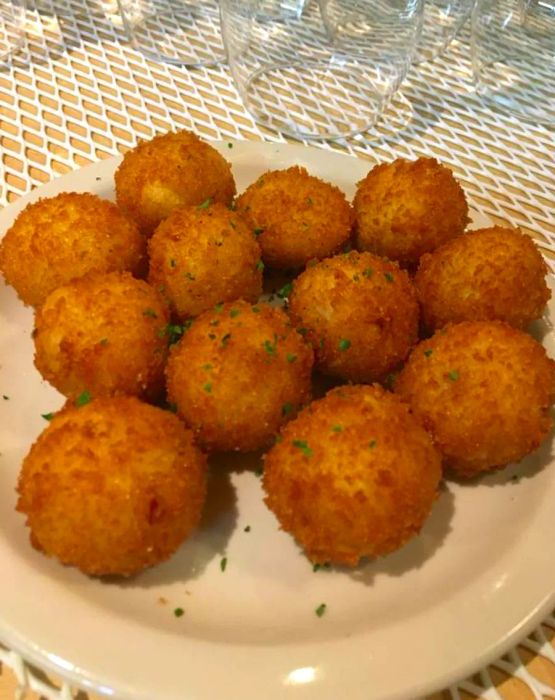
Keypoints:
pixel 200 256
pixel 488 274
pixel 296 216
pixel 171 170
pixel 354 475
pixel 112 487
pixel 483 390
pixel 103 334
pixel 61 238
pixel 359 312
pixel 238 374
pixel 407 208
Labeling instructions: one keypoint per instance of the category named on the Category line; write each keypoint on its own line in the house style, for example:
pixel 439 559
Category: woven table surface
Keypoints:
pixel 79 93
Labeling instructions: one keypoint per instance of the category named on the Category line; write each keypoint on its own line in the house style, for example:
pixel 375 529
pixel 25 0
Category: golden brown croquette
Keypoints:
pixel 200 256
pixel 488 274
pixel 483 390
pixel 353 475
pixel 359 312
pixel 104 334
pixel 112 487
pixel 297 217
pixel 171 170
pixel 61 238
pixel 238 374
pixel 407 208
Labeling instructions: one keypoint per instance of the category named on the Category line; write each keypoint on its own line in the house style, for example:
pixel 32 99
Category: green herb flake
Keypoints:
pixel 179 612
pixel 316 567
pixel 212 336
pixel 207 367
pixel 208 388
pixel 260 266
pixel 302 331
pixel 230 145
pixel 337 428
pixel 368 272
pixel 389 277
pixel 356 278
pixel 233 224
pixel 258 231
pixel 321 609
pixel 174 331
pixel 103 341
pixel 214 322
pixel 47 416
pixel 83 399
pixel 372 444
pixel 205 204
pixel 247 528
pixel 285 291
pixel 219 308
pixel 344 344
pixel 225 339
pixel 189 276
pixel 309 201
pixel 286 409
pixel 173 263
pixel 150 313
pixel 278 439
pixel 428 352
pixel 303 446
pixel 258 471
pixel 234 313
pixel 453 375
pixel 291 357
pixel 255 309
pixel 223 564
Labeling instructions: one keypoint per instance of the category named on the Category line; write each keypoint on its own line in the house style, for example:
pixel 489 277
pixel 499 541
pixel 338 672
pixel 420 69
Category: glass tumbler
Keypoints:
pixel 513 56
pixel 174 31
pixel 442 21
pixel 12 23
pixel 326 73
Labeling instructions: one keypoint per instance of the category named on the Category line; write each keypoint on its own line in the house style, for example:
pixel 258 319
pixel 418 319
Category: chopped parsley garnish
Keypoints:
pixel 372 444
pixel 453 375
pixel 212 336
pixel 225 339
pixel 219 307
pixel 178 612
pixel 302 331
pixel 428 352
pixel 189 276
pixel 104 341
pixel 258 471
pixel 256 309
pixel 337 428
pixel 303 446
pixel 214 322
pixel 205 204
pixel 291 357
pixel 234 313
pixel 344 344
pixel 260 266
pixel 317 567
pixel 278 439
pixel 285 291
pixel 247 528
pixel 223 564
pixel 230 145
pixel 270 347
pixel 388 276
pixel 48 416
pixel 172 262
pixel 258 231
pixel 233 224
pixel 286 409
pixel 368 272
pixel 174 331
pixel 207 366
pixel 83 399
pixel 208 388
pixel 321 609
pixel 150 313
pixel 356 278
pixel 172 407
pixel 309 201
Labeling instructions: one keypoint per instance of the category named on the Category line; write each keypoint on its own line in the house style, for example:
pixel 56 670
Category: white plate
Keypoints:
pixel 480 575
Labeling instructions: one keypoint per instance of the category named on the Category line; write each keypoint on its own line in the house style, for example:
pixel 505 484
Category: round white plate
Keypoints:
pixel 480 575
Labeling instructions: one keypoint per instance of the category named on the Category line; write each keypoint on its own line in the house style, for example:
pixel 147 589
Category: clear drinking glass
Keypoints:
pixel 178 32
pixel 442 21
pixel 513 56
pixel 12 23
pixel 326 73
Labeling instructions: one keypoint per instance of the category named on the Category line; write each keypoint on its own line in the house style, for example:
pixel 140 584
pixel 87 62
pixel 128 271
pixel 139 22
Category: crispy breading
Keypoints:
pixel 112 487
pixel 354 475
pixel 238 374
pixel 297 217
pixel 202 256
pixel 404 209
pixel 170 170
pixel 360 313
pixel 105 334
pixel 483 390
pixel 488 274
pixel 58 239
